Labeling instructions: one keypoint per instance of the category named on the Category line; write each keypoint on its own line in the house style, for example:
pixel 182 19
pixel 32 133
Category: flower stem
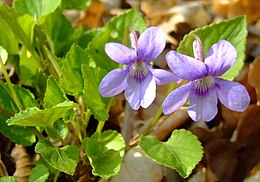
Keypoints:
pixel 100 126
pixel 58 135
pixel 159 112
pixel 37 133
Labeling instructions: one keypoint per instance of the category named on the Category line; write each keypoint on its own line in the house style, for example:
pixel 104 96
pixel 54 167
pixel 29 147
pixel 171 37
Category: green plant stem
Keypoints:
pixel 37 133
pixel 10 86
pixel 56 176
pixel 100 126
pixel 48 54
pixel 58 135
pixel 85 122
pixel 159 112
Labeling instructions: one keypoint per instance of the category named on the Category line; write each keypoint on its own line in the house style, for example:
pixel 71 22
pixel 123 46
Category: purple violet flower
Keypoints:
pixel 137 78
pixel 204 87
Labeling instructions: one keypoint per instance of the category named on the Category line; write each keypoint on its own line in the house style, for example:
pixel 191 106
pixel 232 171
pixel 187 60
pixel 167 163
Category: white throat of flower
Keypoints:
pixel 203 85
pixel 139 71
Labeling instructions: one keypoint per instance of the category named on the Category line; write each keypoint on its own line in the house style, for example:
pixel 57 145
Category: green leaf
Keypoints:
pixel 25 96
pixel 115 31
pixel 36 8
pixel 76 4
pixel 88 36
pixel 71 75
pixel 105 152
pixel 29 67
pixel 17 134
pixel 54 94
pixel 64 159
pixel 59 127
pixel 59 33
pixel 234 30
pixel 19 26
pixel 181 152
pixel 3 54
pixel 94 101
pixel 9 42
pixel 7 105
pixel 35 117
pixel 39 173
pixel 8 179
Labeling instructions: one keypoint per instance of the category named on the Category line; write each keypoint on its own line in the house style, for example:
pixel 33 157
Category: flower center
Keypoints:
pixel 139 71
pixel 203 85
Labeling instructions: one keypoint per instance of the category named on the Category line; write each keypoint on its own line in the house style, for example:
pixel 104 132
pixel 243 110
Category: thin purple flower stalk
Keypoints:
pixel 138 79
pixel 204 87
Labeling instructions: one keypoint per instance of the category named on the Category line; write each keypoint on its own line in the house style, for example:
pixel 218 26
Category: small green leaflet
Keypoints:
pixel 105 152
pixel 181 152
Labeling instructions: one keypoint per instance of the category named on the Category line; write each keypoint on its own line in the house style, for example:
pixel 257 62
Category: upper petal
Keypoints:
pixel 176 99
pixel 185 67
pixel 162 77
pixel 113 83
pixel 150 44
pixel 198 48
pixel 203 108
pixel 232 95
pixel 220 57
pixel 140 94
pixel 120 53
pixel 134 36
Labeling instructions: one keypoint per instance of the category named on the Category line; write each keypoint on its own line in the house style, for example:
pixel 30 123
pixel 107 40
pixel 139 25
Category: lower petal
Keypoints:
pixel 140 94
pixel 162 77
pixel 232 95
pixel 113 83
pixel 176 99
pixel 203 107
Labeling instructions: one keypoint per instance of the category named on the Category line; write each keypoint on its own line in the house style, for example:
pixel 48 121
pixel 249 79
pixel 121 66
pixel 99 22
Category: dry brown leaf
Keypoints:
pixel 23 163
pixel 155 10
pixel 244 7
pixel 248 140
pixel 221 158
pixel 254 77
pixel 192 13
pixel 93 16
pixel 167 124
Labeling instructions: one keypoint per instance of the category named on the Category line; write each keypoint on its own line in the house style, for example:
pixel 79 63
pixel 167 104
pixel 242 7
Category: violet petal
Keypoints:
pixel 176 99
pixel 204 108
pixel 220 57
pixel 120 53
pixel 140 94
pixel 150 44
pixel 133 38
pixel 162 77
pixel 185 67
pixel 232 95
pixel 113 83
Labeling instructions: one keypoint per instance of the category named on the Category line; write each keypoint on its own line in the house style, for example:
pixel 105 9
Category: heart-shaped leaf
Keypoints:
pixel 105 152
pixel 181 152
pixel 64 159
